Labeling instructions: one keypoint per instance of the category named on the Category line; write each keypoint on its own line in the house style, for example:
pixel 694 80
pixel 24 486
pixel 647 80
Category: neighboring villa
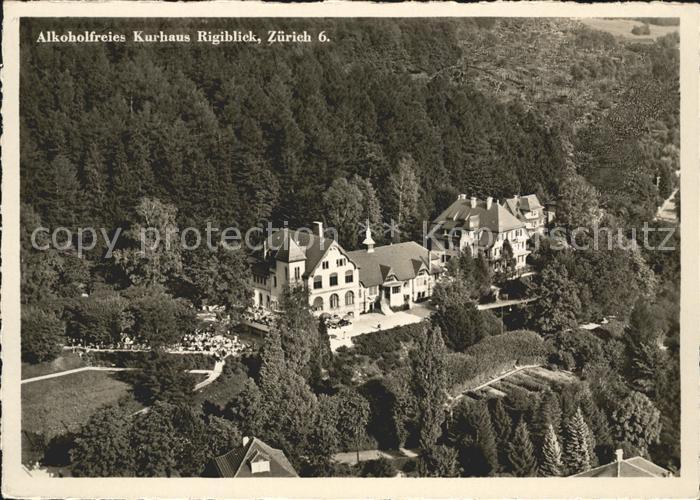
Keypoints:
pixel 340 282
pixel 484 227
pixel 528 210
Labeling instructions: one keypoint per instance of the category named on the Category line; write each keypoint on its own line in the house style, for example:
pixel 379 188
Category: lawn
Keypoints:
pixel 57 405
pixel 623 28
pixel 66 361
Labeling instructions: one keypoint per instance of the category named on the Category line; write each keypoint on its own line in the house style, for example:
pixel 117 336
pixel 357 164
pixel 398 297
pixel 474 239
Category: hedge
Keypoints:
pixel 194 361
pixel 492 356
pixel 380 343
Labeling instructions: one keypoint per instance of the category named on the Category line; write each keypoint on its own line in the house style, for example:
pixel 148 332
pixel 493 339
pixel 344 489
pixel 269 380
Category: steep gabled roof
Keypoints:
pixel 519 204
pixel 289 245
pixel 405 260
pixel 236 463
pixel 496 219
pixel 630 467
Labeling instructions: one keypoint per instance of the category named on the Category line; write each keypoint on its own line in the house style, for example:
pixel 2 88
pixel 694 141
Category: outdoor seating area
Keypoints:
pixel 259 315
pixel 203 341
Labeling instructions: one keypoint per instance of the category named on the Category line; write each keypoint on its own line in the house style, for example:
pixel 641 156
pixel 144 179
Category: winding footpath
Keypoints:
pixel 212 374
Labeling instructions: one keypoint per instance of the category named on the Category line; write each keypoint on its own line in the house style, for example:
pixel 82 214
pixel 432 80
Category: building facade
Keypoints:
pixel 483 226
pixel 529 211
pixel 291 257
pixel 340 282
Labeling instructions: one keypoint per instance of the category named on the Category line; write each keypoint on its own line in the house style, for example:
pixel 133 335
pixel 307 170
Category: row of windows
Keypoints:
pixel 338 262
pixel 333 279
pixel 334 301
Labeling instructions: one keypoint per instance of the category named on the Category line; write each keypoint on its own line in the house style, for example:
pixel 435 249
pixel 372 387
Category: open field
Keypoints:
pixel 63 404
pixel 623 28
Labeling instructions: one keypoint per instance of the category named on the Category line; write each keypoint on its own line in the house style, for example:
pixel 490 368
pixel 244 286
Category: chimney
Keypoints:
pixel 462 197
pixel 246 439
pixel 265 248
pixel 318 228
pixel 473 201
pixel 618 455
pixel 489 202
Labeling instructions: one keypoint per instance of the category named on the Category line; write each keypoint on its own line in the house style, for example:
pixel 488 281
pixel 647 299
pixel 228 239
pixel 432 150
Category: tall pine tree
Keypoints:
pixel 576 456
pixel 550 464
pixel 521 453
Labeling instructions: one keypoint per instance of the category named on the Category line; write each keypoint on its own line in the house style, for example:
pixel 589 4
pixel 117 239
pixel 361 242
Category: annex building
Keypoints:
pixel 487 226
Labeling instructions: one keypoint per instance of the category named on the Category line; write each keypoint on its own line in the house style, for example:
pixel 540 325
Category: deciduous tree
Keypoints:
pixel 43 335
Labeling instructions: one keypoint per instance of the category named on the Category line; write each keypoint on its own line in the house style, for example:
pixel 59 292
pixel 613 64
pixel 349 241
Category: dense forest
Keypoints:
pixel 123 135
pixel 238 133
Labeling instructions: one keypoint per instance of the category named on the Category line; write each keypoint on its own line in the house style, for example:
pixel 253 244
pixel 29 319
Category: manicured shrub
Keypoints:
pixel 377 344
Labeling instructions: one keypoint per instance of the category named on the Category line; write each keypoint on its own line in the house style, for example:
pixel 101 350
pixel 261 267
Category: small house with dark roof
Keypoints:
pixel 254 459
pixel 483 226
pixel 627 467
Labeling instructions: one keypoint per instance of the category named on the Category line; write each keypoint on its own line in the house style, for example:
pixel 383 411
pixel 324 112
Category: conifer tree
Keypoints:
pixel 576 457
pixel 272 360
pixel 550 465
pixel 548 413
pixel 429 384
pixel 502 423
pixel 521 453
pixel 486 438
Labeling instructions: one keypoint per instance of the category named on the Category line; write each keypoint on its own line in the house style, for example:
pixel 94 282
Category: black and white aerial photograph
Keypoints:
pixel 442 247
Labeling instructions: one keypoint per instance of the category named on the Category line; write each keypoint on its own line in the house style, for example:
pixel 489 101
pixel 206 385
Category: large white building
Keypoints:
pixel 340 282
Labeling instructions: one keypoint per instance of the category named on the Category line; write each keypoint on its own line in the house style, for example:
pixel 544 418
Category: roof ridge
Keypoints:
pixel 626 460
pixel 248 445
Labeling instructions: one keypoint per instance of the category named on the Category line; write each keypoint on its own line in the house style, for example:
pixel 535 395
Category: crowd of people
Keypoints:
pixel 259 315
pixel 202 341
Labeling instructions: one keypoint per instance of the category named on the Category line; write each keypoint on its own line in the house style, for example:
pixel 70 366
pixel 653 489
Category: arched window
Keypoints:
pixel 318 282
pixel 335 301
pixel 318 304
pixel 334 279
pixel 349 276
pixel 349 298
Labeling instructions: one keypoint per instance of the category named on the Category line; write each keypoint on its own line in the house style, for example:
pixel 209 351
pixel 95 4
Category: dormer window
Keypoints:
pixel 259 464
